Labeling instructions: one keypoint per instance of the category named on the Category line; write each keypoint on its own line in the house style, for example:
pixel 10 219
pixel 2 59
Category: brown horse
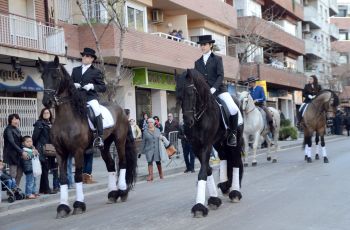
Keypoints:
pixel 70 134
pixel 315 120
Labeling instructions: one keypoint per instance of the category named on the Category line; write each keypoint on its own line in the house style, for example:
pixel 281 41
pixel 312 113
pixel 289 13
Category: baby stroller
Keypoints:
pixel 9 185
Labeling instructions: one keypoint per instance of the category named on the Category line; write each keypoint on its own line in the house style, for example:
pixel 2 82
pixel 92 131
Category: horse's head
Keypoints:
pixel 192 94
pixel 51 74
pixel 246 101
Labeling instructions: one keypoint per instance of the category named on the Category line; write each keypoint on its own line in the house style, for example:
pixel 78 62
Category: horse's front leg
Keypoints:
pixel 255 146
pixel 323 149
pixel 79 204
pixel 246 149
pixel 214 201
pixel 199 209
pixel 63 208
pixel 317 147
pixel 268 141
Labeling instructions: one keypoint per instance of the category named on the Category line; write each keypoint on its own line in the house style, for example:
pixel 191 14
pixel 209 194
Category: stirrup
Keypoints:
pixel 232 140
pixel 98 142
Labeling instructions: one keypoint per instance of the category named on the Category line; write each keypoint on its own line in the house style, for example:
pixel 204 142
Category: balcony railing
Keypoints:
pixel 171 37
pixel 25 33
pixel 334 31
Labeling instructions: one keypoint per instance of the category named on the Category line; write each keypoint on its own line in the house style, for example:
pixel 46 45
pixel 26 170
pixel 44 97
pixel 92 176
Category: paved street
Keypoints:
pixel 288 195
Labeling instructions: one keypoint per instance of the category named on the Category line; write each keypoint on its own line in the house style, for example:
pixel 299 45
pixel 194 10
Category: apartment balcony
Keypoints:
pixel 333 7
pixel 333 32
pixel 214 10
pixel 293 8
pixel 270 31
pixel 282 77
pixel 312 17
pixel 26 34
pixel 341 22
pixel 314 49
pixel 157 51
pixel 342 46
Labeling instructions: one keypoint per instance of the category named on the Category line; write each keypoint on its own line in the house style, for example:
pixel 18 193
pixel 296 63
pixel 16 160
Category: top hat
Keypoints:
pixel 252 79
pixel 89 51
pixel 205 39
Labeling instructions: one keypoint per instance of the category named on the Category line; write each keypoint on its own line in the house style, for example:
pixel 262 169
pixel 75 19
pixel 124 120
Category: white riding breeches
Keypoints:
pixel 232 107
pixel 95 107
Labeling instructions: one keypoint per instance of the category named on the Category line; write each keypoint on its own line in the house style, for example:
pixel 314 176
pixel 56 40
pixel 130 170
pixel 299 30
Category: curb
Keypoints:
pixel 4 207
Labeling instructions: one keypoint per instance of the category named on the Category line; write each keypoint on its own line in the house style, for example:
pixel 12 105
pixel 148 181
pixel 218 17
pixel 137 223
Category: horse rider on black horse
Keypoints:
pixel 310 91
pixel 258 94
pixel 211 67
pixel 89 80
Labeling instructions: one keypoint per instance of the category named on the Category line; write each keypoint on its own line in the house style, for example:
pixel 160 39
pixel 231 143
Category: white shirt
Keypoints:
pixel 84 68
pixel 206 57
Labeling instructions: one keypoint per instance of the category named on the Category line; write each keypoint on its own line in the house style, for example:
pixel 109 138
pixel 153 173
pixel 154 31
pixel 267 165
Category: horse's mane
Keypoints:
pixel 336 101
pixel 77 98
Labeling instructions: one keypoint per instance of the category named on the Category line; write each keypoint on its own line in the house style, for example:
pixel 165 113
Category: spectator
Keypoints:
pixel 136 131
pixel 173 33
pixel 28 167
pixel 13 148
pixel 41 136
pixel 150 147
pixel 87 169
pixel 6 178
pixel 347 123
pixel 187 150
pixel 179 35
pixel 170 125
pixel 143 122
pixel 157 123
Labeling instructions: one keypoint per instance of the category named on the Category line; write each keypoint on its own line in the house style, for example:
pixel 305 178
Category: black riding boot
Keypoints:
pixel 233 124
pixel 98 142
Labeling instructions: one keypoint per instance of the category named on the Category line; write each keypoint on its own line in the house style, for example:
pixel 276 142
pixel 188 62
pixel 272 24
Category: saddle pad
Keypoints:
pixel 303 109
pixel 263 115
pixel 107 118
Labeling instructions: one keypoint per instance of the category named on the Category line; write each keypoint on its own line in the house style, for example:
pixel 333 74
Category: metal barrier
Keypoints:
pixel 173 139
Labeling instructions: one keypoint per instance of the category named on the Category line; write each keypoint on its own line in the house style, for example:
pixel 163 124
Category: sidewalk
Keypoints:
pixel 101 176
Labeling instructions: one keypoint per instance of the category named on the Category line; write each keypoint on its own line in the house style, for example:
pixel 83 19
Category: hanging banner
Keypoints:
pixel 262 83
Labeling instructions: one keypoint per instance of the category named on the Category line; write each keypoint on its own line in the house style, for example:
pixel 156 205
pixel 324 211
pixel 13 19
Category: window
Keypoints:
pixel 343 59
pixel 136 17
pixel 343 35
pixel 95 11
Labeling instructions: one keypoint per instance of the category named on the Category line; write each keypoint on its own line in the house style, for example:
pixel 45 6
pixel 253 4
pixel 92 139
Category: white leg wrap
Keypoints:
pixel 309 152
pixel 112 181
pixel 64 194
pixel 324 152
pixel 211 186
pixel 305 150
pixel 223 171
pixel 201 192
pixel 79 191
pixel 235 179
pixel 121 179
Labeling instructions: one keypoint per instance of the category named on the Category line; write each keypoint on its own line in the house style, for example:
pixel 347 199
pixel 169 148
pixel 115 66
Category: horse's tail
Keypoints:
pixel 131 162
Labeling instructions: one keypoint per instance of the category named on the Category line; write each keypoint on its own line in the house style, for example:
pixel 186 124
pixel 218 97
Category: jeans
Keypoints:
pixel 30 184
pixel 88 163
pixel 56 180
pixel 69 171
pixel 188 155
pixel 11 183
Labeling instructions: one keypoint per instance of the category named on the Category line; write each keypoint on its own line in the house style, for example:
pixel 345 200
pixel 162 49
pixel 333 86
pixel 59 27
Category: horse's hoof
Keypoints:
pixel 63 211
pixel 254 163
pixel 235 196
pixel 224 187
pixel 268 158
pixel 123 195
pixel 214 202
pixel 245 164
pixel 113 197
pixel 317 157
pixel 325 160
pixel 274 161
pixel 79 207
pixel 199 210
pixel 309 160
pixel 305 158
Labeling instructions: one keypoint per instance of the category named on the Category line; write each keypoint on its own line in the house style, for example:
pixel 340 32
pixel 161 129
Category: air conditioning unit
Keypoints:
pixel 157 16
pixel 306 28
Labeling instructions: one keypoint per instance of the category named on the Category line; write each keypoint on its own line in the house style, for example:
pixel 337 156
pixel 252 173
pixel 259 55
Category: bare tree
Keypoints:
pixel 115 12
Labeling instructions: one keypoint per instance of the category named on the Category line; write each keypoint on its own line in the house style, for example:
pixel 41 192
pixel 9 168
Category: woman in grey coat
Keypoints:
pixel 150 147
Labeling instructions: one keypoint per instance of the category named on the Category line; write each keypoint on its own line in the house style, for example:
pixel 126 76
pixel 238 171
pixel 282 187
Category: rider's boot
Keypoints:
pixel 98 142
pixel 233 124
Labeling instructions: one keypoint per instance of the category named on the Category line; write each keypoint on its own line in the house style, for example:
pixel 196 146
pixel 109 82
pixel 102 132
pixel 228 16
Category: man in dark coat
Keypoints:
pixel 211 66
pixel 89 80
pixel 171 125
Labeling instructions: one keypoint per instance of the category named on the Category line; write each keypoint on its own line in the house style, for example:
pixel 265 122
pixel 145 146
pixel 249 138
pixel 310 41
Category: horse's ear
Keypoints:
pixel 56 61
pixel 40 64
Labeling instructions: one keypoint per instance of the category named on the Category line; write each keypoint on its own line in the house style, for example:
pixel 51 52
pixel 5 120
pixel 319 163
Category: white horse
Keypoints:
pixel 255 125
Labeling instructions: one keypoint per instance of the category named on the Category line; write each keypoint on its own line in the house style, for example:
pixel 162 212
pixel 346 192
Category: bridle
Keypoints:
pixel 53 93
pixel 246 99
pixel 196 115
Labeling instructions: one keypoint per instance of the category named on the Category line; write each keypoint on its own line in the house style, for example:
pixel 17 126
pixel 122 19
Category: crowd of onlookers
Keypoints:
pixel 340 122
pixel 177 33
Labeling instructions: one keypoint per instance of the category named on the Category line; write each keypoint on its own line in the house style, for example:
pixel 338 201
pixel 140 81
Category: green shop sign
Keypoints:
pixel 154 80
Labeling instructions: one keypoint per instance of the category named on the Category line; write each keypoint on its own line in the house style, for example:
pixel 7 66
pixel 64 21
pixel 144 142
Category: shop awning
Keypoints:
pixel 28 85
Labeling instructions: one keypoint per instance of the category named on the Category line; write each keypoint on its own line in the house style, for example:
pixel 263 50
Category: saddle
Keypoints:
pixel 225 112
pixel 302 109
pixel 108 120
pixel 264 115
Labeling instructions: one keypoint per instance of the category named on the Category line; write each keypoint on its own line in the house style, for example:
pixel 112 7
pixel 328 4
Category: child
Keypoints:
pixel 28 167
pixel 6 178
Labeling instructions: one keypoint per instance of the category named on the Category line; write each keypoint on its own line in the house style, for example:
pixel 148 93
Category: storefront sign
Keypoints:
pixel 7 75
pixel 154 80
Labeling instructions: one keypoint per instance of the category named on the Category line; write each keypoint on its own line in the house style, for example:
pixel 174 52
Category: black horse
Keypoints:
pixel 70 134
pixel 204 128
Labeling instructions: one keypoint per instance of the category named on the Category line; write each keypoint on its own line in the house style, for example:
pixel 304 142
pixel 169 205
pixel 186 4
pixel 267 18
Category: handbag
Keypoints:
pixel 36 166
pixel 170 150
pixel 49 150
pixel 162 152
